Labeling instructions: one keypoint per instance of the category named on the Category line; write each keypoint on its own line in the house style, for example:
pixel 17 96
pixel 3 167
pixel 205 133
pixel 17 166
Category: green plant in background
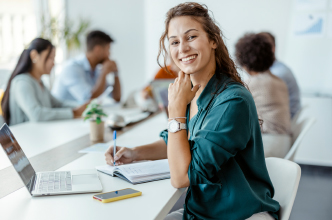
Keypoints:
pixel 94 111
pixel 69 32
pixel 71 37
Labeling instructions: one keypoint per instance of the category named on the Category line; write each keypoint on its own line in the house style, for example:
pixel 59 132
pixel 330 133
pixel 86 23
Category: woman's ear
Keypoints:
pixel 214 45
pixel 34 56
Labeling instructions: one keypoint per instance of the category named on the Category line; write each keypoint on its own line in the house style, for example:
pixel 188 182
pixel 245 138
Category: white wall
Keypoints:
pixel 235 18
pixel 137 25
pixel 310 57
pixel 124 21
pixel 316 146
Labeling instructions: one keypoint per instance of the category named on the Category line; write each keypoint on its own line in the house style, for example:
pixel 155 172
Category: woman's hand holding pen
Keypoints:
pixel 123 155
pixel 180 94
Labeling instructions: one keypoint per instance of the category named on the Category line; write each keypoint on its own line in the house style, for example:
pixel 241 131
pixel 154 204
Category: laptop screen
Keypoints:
pixel 160 92
pixel 16 156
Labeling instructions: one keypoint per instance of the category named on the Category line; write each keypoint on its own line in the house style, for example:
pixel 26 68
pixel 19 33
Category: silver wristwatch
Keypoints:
pixel 175 126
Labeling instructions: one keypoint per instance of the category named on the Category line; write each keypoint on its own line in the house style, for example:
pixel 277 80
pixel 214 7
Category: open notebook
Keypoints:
pixel 139 172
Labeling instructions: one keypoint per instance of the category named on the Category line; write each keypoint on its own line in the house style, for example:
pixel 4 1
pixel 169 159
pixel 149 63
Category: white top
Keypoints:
pixel 30 100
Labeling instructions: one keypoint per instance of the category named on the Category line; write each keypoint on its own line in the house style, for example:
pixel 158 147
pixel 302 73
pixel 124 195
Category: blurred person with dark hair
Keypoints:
pixel 282 71
pixel 83 78
pixel 254 54
pixel 26 98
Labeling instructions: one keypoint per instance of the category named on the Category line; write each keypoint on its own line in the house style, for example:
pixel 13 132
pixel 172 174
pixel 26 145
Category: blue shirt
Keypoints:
pixel 76 81
pixel 227 173
pixel 283 72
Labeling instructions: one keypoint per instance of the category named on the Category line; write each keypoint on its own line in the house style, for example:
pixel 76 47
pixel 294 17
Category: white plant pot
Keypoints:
pixel 96 131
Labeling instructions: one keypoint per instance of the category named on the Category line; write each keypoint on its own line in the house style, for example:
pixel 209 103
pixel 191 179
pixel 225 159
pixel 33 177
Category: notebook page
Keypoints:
pixel 145 168
pixel 107 169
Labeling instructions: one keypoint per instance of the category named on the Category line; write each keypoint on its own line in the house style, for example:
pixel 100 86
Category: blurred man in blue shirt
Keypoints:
pixel 280 70
pixel 84 77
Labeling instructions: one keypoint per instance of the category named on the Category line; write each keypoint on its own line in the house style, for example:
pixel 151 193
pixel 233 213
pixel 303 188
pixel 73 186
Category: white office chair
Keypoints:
pixel 285 176
pixel 296 117
pixel 1 121
pixel 299 129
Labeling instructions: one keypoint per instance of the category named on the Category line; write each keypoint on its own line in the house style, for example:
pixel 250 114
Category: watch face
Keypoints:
pixel 173 126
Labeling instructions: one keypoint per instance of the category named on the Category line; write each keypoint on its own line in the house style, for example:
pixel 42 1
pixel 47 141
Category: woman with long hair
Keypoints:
pixel 213 142
pixel 26 98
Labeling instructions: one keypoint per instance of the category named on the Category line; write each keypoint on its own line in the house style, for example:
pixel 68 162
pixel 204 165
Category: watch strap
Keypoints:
pixel 183 126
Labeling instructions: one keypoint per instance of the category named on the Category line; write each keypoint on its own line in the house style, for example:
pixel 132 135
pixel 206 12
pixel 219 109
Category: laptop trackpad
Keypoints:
pixel 84 179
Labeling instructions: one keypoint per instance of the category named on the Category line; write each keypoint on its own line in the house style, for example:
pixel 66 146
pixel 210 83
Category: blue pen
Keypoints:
pixel 114 146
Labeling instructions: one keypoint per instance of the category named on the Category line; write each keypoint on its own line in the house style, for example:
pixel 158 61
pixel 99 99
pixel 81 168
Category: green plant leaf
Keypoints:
pixel 98 120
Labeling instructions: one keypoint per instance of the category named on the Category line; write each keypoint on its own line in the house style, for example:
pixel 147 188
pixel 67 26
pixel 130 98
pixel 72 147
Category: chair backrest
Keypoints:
pixel 2 92
pixel 2 120
pixel 299 129
pixel 285 176
pixel 297 116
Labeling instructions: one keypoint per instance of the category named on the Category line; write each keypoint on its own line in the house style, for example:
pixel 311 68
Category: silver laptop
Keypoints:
pixel 47 183
pixel 160 92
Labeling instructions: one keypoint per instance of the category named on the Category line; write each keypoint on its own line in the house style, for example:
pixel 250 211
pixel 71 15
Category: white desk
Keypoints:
pixel 156 201
pixel 36 138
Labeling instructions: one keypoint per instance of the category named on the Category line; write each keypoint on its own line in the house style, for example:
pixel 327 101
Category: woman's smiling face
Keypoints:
pixel 190 47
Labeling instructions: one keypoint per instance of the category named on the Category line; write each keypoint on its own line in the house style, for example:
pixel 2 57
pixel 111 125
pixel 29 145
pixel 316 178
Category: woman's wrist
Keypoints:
pixel 135 154
pixel 177 110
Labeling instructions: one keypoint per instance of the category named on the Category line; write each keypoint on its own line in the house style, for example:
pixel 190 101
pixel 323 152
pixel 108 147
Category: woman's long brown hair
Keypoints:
pixel 224 63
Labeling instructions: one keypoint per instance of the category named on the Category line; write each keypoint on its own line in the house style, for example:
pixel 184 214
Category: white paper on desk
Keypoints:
pixel 99 148
pixel 96 148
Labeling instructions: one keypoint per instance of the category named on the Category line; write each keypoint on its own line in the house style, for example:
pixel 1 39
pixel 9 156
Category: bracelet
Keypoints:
pixel 176 118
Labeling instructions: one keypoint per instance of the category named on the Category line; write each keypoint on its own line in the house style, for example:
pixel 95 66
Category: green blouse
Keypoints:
pixel 228 175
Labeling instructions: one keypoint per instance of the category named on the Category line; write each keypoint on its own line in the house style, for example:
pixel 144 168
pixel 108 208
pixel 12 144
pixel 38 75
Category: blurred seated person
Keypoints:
pixel 162 74
pixel 82 78
pixel 282 71
pixel 144 99
pixel 26 98
pixel 254 54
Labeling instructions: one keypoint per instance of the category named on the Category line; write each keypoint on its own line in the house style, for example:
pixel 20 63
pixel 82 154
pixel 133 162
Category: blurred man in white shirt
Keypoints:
pixel 84 77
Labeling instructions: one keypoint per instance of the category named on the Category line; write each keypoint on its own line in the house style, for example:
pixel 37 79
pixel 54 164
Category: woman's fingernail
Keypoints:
pixel 116 158
pixel 199 86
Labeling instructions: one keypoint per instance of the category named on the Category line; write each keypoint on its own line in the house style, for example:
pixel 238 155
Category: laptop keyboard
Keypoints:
pixel 55 182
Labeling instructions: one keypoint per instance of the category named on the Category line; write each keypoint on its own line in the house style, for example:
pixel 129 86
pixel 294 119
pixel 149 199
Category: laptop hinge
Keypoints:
pixel 32 186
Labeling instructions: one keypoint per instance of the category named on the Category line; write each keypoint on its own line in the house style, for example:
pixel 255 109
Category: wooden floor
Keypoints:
pixel 314 196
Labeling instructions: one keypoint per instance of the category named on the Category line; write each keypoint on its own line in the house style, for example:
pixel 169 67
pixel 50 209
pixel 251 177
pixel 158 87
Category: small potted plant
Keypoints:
pixel 95 112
